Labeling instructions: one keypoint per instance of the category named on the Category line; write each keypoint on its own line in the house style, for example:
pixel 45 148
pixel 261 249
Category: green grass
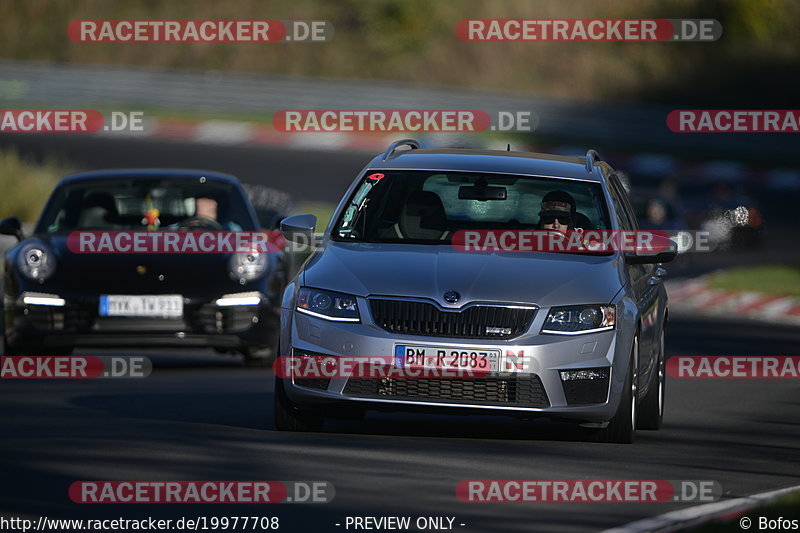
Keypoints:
pixel 787 507
pixel 26 184
pixel 415 41
pixel 772 279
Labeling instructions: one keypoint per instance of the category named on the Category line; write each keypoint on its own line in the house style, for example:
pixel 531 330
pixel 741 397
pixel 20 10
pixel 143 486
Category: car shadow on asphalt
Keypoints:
pixel 253 410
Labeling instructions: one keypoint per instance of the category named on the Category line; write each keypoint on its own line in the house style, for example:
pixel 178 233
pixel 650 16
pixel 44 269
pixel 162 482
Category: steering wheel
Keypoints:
pixel 200 223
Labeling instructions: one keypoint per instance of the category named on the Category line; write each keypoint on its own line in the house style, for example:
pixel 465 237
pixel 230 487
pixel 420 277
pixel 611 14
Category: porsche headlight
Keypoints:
pixel 579 319
pixel 36 262
pixel 328 305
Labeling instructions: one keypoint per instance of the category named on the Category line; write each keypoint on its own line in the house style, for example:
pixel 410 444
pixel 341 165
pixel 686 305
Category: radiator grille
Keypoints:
pixel 421 318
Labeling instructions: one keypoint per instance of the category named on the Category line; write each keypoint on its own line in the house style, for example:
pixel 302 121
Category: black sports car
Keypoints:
pixel 57 298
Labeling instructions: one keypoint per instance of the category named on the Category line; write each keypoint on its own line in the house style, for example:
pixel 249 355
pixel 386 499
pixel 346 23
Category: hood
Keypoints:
pixel 136 273
pixel 428 271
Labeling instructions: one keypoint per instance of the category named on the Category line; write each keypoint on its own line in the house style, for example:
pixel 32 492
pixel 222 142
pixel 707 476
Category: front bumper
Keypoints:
pixel 77 322
pixel 529 383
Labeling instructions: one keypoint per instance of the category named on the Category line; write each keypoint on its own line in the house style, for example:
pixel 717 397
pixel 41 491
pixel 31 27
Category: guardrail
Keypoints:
pixel 603 124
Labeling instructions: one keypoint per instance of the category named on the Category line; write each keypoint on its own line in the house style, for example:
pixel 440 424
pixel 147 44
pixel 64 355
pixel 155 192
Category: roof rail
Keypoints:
pixel 392 147
pixel 591 157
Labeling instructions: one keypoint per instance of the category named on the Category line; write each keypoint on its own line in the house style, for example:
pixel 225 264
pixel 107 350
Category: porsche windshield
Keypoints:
pixel 144 204
pixel 428 207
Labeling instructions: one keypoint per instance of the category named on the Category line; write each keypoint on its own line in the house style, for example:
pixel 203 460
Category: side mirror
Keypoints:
pixel 11 226
pixel 660 253
pixel 299 228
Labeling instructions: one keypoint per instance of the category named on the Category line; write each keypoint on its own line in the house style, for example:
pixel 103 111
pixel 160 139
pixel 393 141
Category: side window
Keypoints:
pixel 354 209
pixel 625 220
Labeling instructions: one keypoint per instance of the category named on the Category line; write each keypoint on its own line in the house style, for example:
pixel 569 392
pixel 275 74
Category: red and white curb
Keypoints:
pixel 700 514
pixel 694 296
pixel 227 132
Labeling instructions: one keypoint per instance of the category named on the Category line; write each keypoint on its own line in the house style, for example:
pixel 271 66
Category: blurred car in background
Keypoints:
pixel 731 217
pixel 55 299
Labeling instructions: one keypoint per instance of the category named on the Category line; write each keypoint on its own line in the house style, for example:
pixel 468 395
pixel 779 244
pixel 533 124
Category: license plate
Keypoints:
pixel 437 357
pixel 161 305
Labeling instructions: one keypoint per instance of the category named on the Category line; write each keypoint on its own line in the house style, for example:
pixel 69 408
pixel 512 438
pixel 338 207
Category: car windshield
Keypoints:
pixel 145 204
pixel 428 206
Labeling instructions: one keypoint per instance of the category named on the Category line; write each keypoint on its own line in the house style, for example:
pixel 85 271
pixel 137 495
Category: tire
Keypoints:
pixel 261 356
pixel 622 428
pixel 257 357
pixel 289 418
pixel 651 413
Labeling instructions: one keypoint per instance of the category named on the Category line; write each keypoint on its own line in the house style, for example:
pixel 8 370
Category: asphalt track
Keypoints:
pixel 201 416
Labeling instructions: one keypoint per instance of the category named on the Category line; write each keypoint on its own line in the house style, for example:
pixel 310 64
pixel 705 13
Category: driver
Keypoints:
pixel 558 212
pixel 206 207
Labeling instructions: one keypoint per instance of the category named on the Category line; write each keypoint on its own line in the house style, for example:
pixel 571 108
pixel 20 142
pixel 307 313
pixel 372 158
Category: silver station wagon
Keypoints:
pixel 567 336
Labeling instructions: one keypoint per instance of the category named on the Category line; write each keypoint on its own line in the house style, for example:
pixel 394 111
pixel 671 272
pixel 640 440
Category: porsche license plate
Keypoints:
pixel 160 305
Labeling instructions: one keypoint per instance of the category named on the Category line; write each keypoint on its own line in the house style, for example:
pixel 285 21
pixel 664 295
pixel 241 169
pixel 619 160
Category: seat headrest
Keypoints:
pixel 423 216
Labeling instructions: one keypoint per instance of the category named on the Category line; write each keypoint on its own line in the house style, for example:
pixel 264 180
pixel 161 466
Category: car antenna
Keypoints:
pixel 508 147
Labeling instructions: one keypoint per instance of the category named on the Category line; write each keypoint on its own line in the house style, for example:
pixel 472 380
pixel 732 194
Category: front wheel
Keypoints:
pixel 622 428
pixel 289 418
pixel 261 356
pixel 258 356
pixel 652 412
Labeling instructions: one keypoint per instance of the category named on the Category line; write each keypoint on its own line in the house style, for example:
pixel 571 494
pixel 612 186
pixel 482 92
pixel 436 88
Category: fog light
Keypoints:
pixel 241 298
pixel 591 373
pixel 38 298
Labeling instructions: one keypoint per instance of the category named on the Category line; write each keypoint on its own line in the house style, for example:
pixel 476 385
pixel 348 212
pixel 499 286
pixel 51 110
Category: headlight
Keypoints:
pixel 248 266
pixel 578 319
pixel 328 305
pixel 36 262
